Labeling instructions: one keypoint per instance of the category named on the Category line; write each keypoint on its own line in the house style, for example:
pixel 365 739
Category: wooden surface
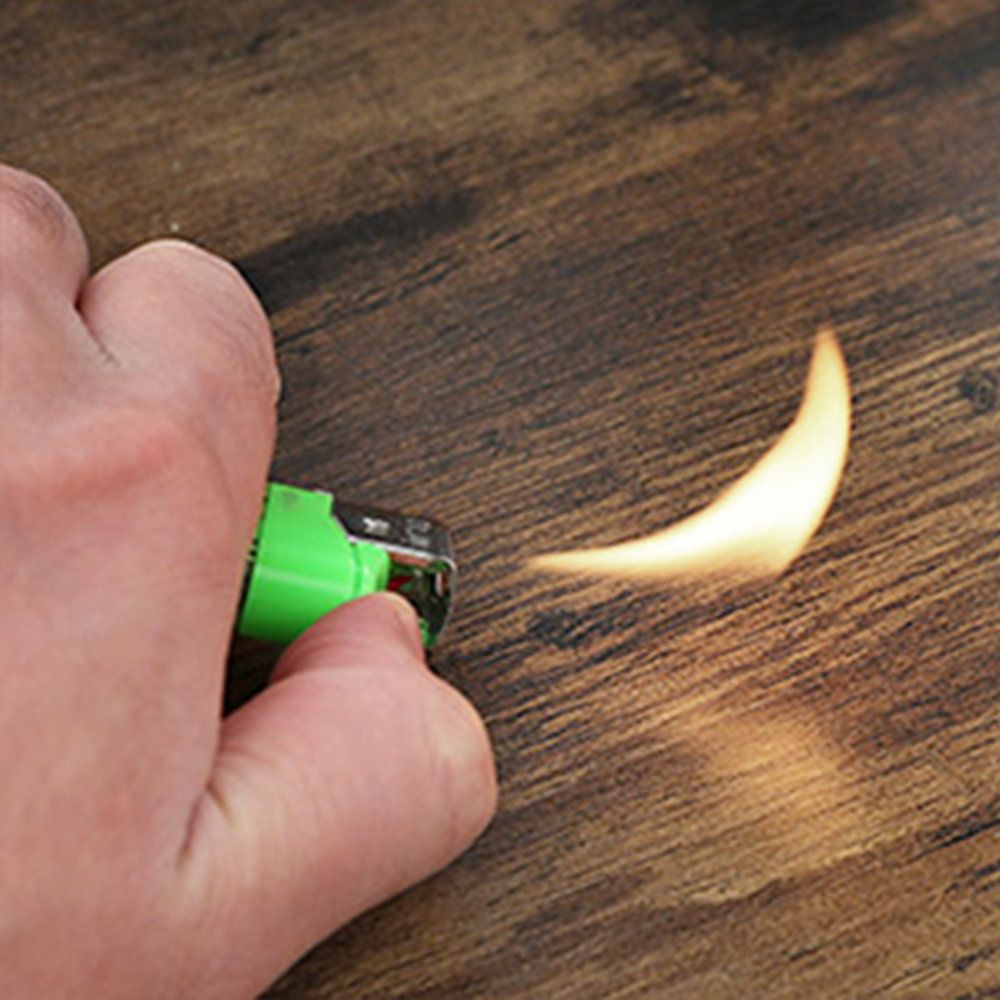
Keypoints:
pixel 550 272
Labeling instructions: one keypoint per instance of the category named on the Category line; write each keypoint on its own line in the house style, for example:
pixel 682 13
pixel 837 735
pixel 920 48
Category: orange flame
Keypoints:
pixel 764 520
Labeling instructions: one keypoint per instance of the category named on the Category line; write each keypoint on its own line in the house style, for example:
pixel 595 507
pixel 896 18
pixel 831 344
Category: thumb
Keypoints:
pixel 355 774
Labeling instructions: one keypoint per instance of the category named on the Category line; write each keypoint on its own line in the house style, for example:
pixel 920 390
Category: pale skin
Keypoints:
pixel 148 847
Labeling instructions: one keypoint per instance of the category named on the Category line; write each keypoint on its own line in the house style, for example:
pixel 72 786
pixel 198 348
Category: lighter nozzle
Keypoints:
pixel 422 563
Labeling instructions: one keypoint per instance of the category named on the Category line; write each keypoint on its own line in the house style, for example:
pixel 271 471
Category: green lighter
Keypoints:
pixel 312 553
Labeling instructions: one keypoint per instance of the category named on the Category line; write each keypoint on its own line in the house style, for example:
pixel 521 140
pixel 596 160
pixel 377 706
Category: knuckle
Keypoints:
pixel 155 444
pixel 178 255
pixel 30 204
pixel 109 471
pixel 144 457
pixel 111 448
pixel 237 348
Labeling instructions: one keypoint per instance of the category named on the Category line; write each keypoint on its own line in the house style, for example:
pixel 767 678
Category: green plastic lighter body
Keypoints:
pixel 311 554
pixel 303 565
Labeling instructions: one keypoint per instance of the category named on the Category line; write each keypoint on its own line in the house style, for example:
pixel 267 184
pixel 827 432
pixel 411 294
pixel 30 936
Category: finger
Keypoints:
pixel 41 242
pixel 355 775
pixel 191 332
pixel 43 262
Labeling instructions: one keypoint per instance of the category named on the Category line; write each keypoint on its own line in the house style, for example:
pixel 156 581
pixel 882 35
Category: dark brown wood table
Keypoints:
pixel 550 272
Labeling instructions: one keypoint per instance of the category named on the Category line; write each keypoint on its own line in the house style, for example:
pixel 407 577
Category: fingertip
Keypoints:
pixel 404 616
pixel 383 612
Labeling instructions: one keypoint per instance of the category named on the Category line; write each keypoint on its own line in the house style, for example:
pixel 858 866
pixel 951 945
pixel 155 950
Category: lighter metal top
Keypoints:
pixel 423 563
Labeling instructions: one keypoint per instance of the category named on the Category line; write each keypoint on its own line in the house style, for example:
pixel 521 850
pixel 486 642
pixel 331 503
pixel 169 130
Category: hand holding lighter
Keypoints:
pixel 312 553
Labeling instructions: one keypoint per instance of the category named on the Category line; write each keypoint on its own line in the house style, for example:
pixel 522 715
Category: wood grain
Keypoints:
pixel 550 272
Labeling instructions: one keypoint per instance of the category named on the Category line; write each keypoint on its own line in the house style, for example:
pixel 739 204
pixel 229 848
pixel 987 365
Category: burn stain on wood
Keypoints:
pixel 291 269
pixel 980 389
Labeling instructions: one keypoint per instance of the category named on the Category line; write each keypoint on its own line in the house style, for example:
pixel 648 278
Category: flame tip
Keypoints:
pixel 759 524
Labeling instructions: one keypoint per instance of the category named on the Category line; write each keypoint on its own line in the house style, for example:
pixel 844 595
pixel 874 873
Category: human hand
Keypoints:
pixel 149 848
